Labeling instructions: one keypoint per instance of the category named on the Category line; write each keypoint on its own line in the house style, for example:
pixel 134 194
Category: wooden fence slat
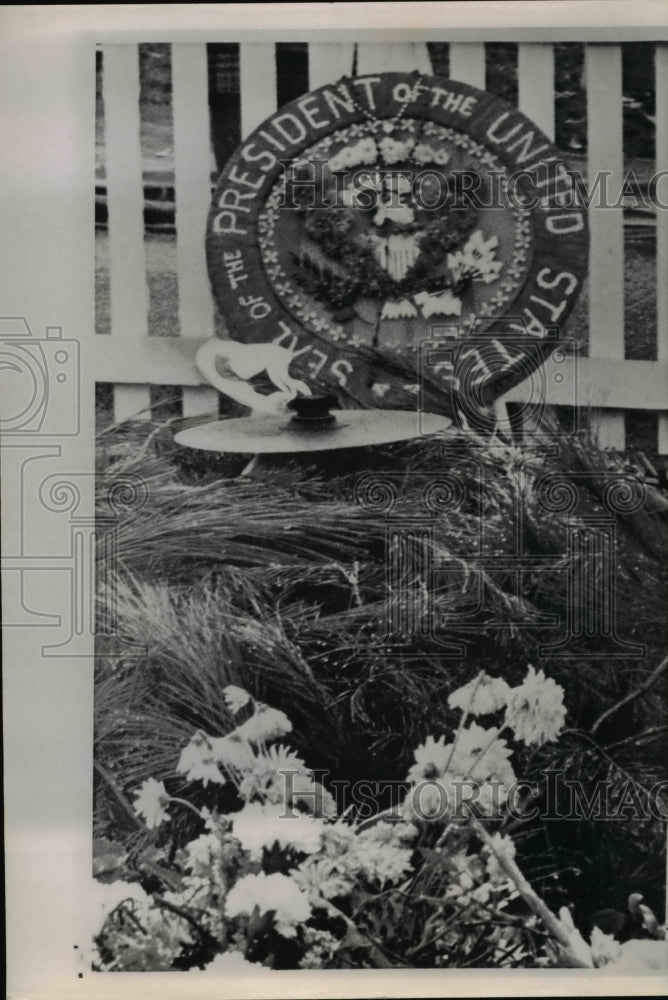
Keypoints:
pixel 397 57
pixel 328 62
pixel 257 83
pixel 192 192
pixel 535 87
pixel 661 61
pixel 535 78
pixel 606 225
pixel 467 63
pixel 125 201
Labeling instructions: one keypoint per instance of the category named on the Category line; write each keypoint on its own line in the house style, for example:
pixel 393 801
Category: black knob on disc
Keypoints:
pixel 312 411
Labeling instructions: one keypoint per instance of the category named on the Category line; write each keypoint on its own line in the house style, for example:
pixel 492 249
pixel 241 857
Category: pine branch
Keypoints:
pixel 653 677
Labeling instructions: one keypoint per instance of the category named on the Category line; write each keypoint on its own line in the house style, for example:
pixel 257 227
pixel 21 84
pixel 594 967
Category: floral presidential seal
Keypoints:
pixel 380 213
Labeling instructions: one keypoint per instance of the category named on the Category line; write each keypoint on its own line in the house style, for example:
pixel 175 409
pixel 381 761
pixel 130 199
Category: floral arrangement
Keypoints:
pixel 285 881
pixel 418 261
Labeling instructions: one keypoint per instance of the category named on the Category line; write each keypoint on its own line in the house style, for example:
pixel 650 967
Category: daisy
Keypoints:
pixel 431 759
pixel 149 802
pixel 198 762
pixel 477 753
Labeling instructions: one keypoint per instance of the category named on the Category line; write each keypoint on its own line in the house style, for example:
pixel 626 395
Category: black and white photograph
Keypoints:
pixel 360 562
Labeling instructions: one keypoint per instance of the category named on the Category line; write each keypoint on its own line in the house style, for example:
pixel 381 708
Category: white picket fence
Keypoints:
pixel 132 360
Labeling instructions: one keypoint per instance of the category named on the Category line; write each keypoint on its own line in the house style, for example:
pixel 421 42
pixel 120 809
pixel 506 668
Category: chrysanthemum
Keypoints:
pixel 321 878
pixel 428 800
pixel 277 893
pixel 535 711
pixel 259 826
pixel 235 697
pixel 304 790
pixel 273 775
pixel 202 853
pixel 481 696
pixel 320 946
pixel 604 948
pixel 233 753
pixel 149 803
pixel 266 724
pixel 501 846
pixel 233 961
pixel 198 762
pixel 385 863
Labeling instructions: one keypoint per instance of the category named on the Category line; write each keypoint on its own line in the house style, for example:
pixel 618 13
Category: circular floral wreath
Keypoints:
pixel 414 266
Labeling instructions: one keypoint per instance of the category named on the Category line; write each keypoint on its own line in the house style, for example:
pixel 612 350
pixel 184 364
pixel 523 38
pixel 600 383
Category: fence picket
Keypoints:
pixel 603 68
pixel 327 63
pixel 125 202
pixel 257 83
pixel 399 57
pixel 535 78
pixel 192 193
pixel 661 114
pixel 467 63
pixel 535 92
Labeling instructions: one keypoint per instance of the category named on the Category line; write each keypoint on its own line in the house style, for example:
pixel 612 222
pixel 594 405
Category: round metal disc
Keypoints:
pixel 266 435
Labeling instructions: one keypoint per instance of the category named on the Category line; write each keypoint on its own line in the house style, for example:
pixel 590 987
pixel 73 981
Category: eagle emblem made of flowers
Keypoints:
pixel 393 229
pixel 382 213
